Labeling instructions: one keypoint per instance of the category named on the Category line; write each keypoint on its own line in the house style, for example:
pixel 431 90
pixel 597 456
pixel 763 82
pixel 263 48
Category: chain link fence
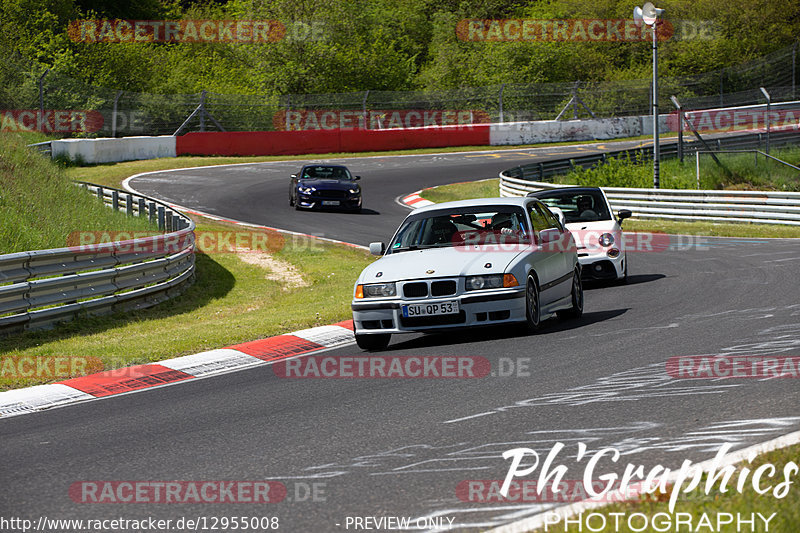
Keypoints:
pixel 109 112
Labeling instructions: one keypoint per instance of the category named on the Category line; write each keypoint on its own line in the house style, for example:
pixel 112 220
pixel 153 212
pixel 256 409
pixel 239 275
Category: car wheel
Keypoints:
pixel 577 299
pixel 533 311
pixel 291 200
pixel 373 343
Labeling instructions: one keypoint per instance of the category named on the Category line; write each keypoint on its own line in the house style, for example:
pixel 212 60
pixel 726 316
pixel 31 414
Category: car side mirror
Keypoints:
pixel 560 215
pixel 357 178
pixel 549 235
pixel 294 175
pixel 623 214
pixel 377 248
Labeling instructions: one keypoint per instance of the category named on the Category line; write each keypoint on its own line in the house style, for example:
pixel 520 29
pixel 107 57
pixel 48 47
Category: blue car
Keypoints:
pixel 325 187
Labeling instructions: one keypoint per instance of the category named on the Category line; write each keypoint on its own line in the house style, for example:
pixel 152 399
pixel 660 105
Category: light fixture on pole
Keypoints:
pixel 648 14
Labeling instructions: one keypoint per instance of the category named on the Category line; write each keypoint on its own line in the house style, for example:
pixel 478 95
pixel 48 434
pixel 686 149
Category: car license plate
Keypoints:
pixel 431 309
pixel 330 202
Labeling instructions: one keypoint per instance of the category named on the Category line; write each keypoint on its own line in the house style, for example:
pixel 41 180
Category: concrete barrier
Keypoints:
pixel 253 143
pixel 545 131
pixel 112 150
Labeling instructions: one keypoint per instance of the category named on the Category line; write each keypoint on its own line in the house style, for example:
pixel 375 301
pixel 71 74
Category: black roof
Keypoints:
pixel 323 165
pixel 554 193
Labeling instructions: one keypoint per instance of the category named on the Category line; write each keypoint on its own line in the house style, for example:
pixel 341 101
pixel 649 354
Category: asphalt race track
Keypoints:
pixel 401 447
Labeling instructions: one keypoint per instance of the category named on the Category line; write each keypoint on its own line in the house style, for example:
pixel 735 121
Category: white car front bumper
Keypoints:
pixel 479 308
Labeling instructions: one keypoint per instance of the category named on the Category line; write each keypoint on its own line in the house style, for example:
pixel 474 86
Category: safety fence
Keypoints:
pixel 61 105
pixel 764 207
pixel 43 287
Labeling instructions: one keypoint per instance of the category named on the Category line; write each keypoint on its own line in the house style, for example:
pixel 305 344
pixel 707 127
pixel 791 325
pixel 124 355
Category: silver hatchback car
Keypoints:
pixel 469 263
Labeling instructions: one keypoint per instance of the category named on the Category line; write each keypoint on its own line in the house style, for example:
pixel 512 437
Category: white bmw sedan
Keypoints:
pixel 597 231
pixel 468 263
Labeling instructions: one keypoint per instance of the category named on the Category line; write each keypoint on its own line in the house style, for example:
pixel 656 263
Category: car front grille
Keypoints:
pixel 329 194
pixel 443 288
pixel 415 290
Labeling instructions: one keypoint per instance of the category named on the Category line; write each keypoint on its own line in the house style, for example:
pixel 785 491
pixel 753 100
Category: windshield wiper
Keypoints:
pixel 412 247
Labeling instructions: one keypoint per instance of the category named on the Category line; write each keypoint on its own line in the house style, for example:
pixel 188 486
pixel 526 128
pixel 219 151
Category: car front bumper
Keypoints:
pixel 481 308
pixel 600 266
pixel 317 202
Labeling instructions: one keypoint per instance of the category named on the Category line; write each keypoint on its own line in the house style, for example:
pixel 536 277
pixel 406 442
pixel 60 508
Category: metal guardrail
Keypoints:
pixel 542 171
pixel 44 148
pixel 43 287
pixel 764 207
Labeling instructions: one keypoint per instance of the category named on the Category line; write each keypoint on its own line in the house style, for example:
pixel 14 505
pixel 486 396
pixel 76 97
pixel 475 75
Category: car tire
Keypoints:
pixel 373 343
pixel 576 310
pixel 291 201
pixel 533 307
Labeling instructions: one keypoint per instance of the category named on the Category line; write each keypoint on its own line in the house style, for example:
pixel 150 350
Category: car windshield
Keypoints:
pixel 326 173
pixel 582 206
pixel 461 227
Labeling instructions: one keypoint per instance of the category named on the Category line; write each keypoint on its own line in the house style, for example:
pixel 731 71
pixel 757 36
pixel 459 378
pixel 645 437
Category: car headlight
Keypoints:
pixel 491 281
pixel 306 190
pixel 376 290
pixel 354 191
pixel 606 239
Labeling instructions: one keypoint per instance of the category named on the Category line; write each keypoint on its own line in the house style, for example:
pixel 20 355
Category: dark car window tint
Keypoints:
pixel 580 206
pixel 323 172
pixel 538 220
pixel 479 225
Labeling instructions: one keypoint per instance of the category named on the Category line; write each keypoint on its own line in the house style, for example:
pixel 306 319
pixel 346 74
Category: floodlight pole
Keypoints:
pixel 648 14
pixel 656 150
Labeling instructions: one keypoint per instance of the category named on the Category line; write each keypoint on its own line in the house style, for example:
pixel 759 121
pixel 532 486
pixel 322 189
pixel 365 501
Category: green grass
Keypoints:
pixel 230 302
pixel 739 171
pixel 40 207
pixel 787 519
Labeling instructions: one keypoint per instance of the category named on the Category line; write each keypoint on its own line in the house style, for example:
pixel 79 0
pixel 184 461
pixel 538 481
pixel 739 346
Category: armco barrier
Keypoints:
pixel 764 207
pixel 43 287
pixel 329 141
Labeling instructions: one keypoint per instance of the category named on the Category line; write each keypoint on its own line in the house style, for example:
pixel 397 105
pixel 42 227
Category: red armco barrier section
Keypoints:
pixel 329 141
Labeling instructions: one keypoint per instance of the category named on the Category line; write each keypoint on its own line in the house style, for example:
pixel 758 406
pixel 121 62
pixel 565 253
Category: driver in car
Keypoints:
pixel 585 211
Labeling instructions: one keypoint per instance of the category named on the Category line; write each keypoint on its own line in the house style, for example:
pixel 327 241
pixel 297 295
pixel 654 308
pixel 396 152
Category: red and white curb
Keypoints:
pixel 199 365
pixel 415 201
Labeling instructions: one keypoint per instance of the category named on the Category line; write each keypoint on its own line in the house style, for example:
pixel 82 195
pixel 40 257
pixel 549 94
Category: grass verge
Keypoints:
pixel 489 188
pixel 234 299
pixel 697 503
pixel 40 207
pixel 737 171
